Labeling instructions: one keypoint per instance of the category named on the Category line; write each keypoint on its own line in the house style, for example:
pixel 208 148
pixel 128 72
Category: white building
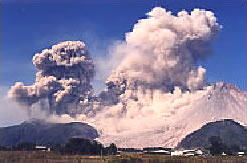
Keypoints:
pixel 42 148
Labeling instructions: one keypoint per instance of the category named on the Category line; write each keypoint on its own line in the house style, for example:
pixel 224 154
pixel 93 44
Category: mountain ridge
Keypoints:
pixel 230 132
pixel 42 132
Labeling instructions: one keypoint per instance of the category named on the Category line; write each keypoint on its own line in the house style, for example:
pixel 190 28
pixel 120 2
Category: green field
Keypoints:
pixel 50 157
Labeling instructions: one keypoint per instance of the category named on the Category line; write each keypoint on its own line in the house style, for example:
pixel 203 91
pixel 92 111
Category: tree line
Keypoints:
pixel 81 146
pixel 75 146
pixel 218 147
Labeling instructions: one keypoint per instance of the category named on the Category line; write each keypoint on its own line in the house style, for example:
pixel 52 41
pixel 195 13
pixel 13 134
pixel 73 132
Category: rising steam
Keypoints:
pixel 153 93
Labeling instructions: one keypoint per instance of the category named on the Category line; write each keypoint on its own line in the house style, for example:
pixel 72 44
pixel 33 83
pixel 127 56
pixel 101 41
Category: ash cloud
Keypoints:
pixel 62 81
pixel 162 50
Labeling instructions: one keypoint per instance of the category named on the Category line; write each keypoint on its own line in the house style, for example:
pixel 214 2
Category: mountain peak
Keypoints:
pixel 47 133
pixel 227 86
pixel 227 129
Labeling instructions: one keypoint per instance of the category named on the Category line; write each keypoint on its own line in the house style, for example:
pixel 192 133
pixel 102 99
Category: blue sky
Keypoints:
pixel 29 26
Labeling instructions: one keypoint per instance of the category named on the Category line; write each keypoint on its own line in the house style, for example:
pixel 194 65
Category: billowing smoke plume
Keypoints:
pixel 63 79
pixel 162 50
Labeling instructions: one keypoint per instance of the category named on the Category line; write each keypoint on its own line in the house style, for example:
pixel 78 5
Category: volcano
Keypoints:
pixel 187 112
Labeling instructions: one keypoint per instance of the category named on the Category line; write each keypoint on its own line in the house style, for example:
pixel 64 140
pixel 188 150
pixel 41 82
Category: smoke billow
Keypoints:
pixel 162 50
pixel 153 94
pixel 63 79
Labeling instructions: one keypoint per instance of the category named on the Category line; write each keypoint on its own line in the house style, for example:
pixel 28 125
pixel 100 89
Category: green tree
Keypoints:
pixel 111 150
pixel 234 149
pixel 217 146
pixel 82 146
pixel 25 146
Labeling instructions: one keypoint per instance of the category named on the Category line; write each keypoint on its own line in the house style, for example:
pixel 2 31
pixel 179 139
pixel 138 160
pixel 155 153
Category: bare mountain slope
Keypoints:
pixel 173 117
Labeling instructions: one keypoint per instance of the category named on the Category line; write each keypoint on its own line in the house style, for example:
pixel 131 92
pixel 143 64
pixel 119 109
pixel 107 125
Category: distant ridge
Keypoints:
pixel 46 133
pixel 230 132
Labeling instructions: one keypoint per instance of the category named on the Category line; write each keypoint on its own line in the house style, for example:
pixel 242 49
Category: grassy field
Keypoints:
pixel 50 157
